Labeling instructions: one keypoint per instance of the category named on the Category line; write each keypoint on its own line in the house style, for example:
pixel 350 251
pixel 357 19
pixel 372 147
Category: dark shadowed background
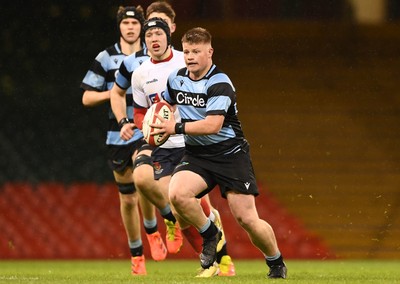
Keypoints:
pixel 46 49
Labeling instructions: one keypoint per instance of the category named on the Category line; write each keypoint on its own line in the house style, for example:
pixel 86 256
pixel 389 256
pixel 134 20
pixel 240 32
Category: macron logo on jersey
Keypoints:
pixel 152 81
pixel 190 99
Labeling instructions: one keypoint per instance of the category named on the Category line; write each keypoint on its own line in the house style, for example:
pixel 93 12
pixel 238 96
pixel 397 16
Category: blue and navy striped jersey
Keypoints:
pixel 128 65
pixel 214 94
pixel 101 77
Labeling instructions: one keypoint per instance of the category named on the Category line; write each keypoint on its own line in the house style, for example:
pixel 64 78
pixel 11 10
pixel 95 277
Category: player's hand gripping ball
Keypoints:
pixel 162 109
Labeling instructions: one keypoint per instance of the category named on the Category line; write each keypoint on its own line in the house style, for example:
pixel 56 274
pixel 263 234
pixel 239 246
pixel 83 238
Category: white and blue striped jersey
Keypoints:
pixel 101 77
pixel 214 94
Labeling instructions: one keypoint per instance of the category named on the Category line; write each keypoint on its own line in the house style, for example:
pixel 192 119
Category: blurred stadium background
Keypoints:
pixel 318 92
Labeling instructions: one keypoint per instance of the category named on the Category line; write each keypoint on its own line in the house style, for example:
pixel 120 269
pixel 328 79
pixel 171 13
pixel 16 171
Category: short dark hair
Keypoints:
pixel 197 35
pixel 161 7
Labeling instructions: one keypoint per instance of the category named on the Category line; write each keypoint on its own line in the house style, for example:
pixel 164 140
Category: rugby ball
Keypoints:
pixel 162 109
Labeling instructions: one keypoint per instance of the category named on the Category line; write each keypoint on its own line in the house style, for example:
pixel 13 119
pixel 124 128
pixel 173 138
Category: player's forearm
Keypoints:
pixel 138 116
pixel 118 103
pixel 119 109
pixel 93 98
pixel 211 125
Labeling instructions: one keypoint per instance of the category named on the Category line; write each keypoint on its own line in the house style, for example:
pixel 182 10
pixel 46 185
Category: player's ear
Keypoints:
pixel 172 28
pixel 210 51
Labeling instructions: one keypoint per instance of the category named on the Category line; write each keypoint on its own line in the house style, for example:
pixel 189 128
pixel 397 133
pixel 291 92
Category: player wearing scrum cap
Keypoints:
pixel 143 173
pixel 96 86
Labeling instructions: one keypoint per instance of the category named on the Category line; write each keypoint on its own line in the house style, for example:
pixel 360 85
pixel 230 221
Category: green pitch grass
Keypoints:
pixel 182 271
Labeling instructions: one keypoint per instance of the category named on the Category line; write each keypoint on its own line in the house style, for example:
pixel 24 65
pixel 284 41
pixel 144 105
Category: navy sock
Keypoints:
pixel 274 260
pixel 150 226
pixel 137 251
pixel 209 230
pixel 136 247
pixel 221 253
pixel 167 214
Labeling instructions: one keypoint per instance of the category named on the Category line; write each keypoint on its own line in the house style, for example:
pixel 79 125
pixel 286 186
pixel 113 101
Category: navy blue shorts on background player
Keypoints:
pixel 165 160
pixel 120 157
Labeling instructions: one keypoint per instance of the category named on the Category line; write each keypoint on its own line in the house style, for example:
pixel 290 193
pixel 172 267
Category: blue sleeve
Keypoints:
pixel 123 79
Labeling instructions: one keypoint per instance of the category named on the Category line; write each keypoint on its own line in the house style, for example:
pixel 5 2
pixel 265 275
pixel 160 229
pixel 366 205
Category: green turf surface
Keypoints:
pixel 173 271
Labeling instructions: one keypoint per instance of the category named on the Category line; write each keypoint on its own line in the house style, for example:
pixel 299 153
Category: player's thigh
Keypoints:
pixel 186 184
pixel 163 185
pixel 124 177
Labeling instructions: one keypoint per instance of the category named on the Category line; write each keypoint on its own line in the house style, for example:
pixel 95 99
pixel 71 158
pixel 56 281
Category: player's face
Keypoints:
pixel 198 58
pixel 130 30
pixel 172 26
pixel 156 42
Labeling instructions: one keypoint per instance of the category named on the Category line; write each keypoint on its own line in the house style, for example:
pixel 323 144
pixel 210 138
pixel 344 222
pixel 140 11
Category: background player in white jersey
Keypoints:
pixel 96 85
pixel 217 152
pixel 148 82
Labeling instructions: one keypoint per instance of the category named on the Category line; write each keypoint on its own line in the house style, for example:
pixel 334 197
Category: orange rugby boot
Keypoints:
pixel 173 236
pixel 138 265
pixel 157 246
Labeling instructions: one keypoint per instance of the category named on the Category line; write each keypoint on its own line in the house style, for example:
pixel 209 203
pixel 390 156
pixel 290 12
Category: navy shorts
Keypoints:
pixel 120 156
pixel 165 160
pixel 231 172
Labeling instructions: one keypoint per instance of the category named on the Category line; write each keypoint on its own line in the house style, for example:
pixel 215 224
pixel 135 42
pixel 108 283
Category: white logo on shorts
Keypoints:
pixel 247 185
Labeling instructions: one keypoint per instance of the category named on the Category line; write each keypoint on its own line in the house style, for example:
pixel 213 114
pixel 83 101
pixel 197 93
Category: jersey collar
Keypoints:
pixel 164 60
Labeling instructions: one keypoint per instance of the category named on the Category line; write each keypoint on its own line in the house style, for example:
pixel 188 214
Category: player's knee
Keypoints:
pixel 172 198
pixel 143 175
pixel 247 222
pixel 126 188
pixel 176 199
pixel 142 159
pixel 143 179
pixel 129 201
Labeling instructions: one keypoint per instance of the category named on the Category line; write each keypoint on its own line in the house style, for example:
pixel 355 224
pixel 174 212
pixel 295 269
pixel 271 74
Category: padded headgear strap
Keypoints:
pixel 129 12
pixel 157 23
